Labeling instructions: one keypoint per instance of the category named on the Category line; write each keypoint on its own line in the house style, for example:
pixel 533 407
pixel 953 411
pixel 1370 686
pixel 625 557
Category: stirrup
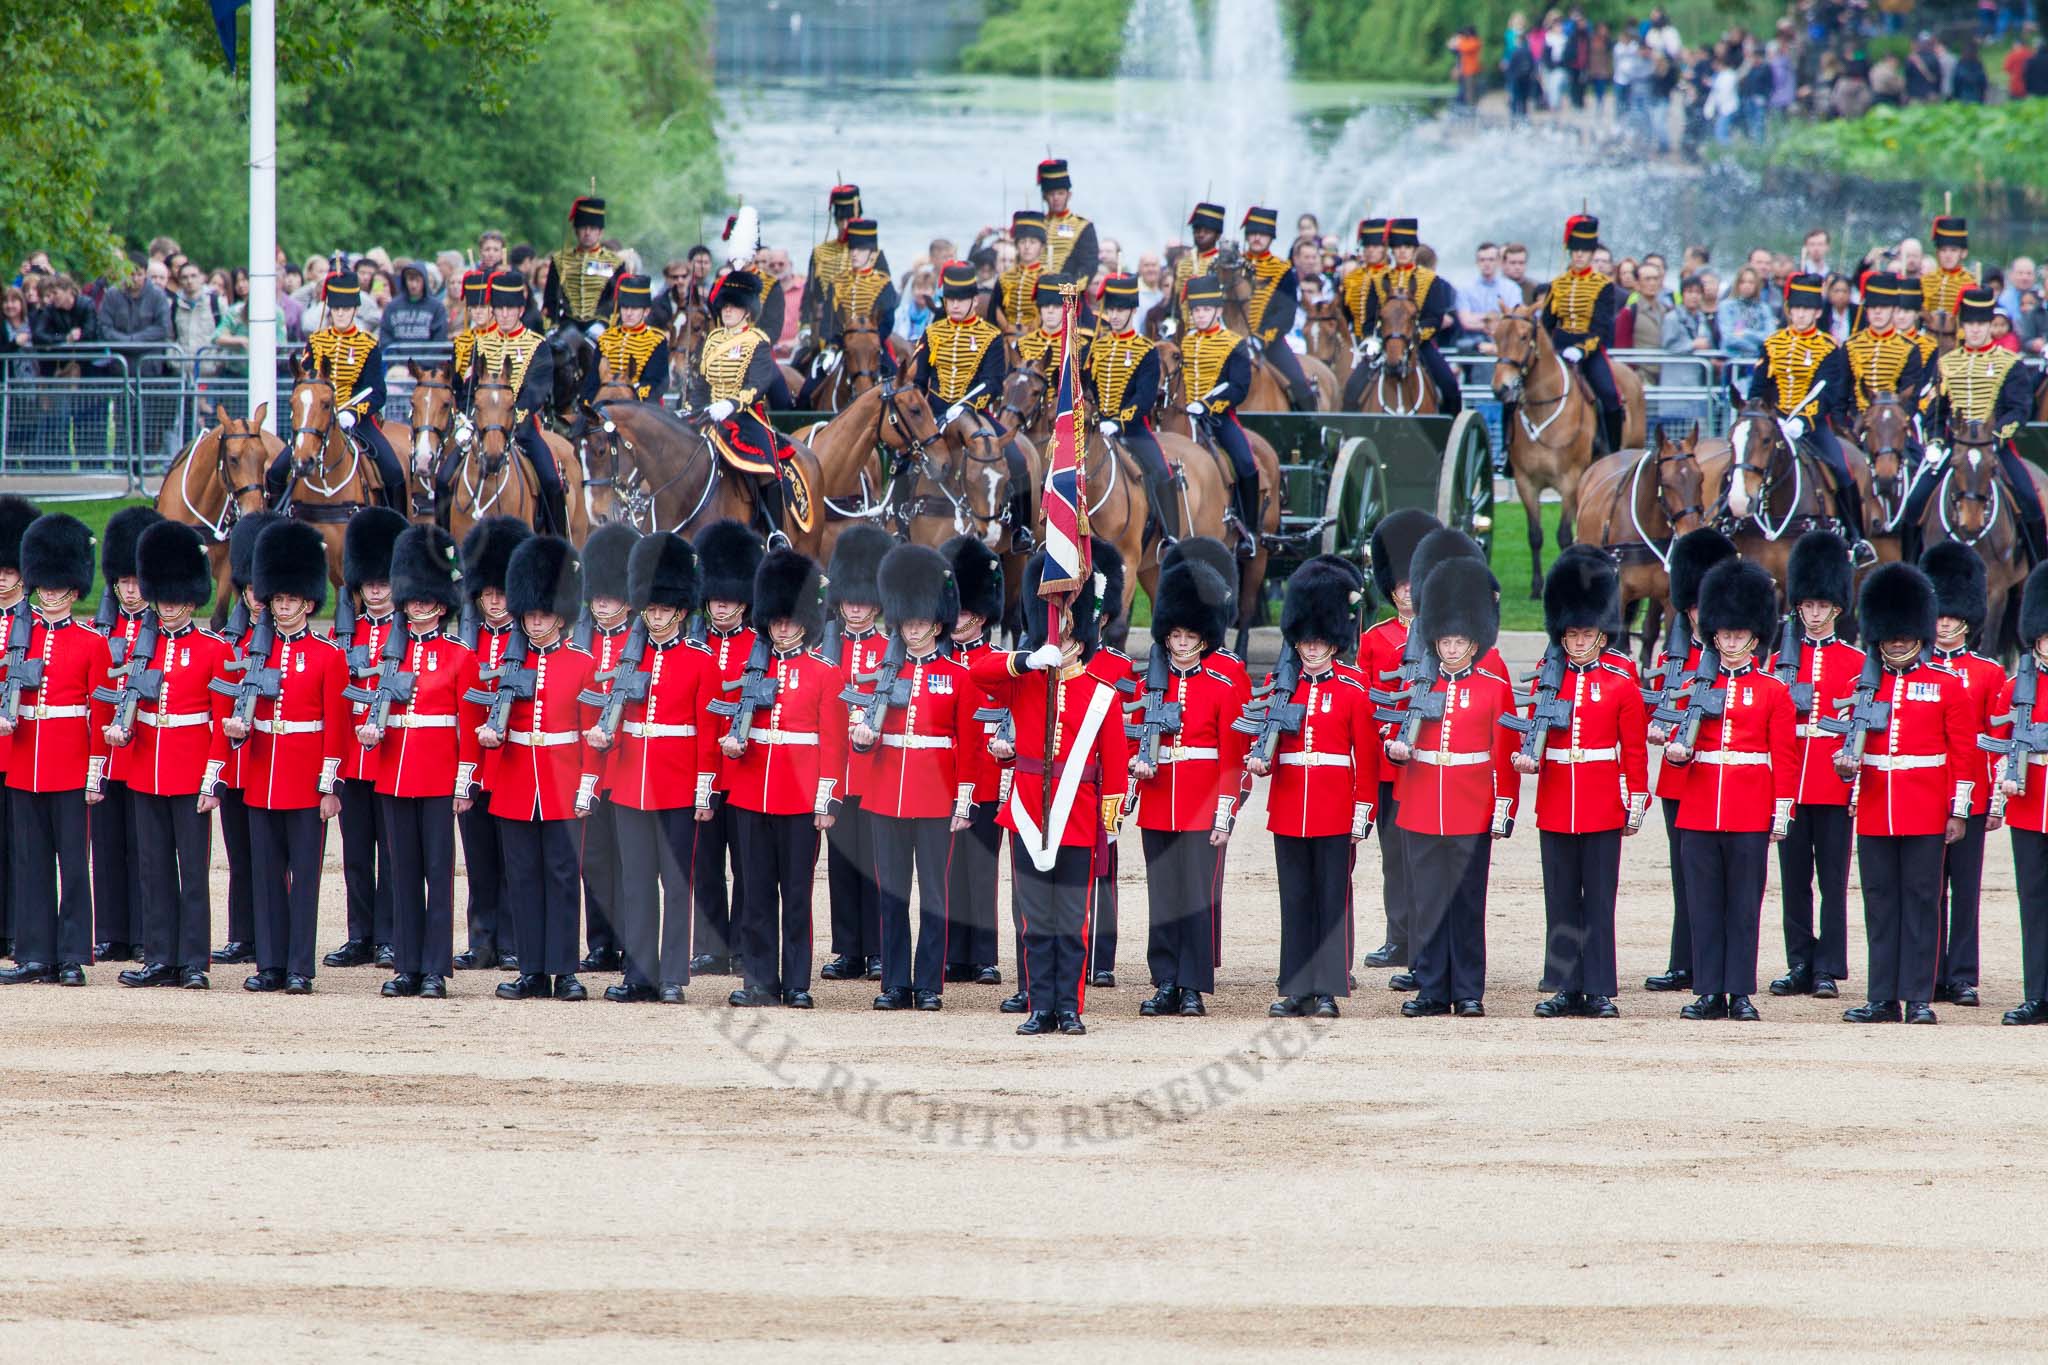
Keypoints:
pixel 1862 554
pixel 777 540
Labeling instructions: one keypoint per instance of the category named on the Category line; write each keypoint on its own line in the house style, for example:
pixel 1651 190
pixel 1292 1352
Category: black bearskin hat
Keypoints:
pixel 171 565
pixel 604 560
pixel 1819 571
pixel 730 555
pixel 1738 595
pixel 1393 545
pixel 1437 548
pixel 1191 597
pixel 1109 562
pixel 56 552
pixel 1347 567
pixel 2034 608
pixel 426 567
pixel 117 546
pixel 662 572
pixel 788 587
pixel 291 557
pixel 242 546
pixel 1321 604
pixel 1581 590
pixel 977 575
pixel 487 552
pixel 15 515
pixel 856 562
pixel 1692 554
pixel 1087 608
pixel 366 546
pixel 1957 573
pixel 916 584
pixel 1458 599
pixel 543 575
pixel 1220 559
pixel 1899 603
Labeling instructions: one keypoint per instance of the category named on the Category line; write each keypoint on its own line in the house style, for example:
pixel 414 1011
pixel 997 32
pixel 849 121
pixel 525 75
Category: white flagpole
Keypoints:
pixel 263 209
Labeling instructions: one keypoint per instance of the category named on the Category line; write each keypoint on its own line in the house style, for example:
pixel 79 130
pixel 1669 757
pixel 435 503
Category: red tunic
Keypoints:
pixel 293 754
pixel 1379 653
pixel 6 629
pixel 917 770
pixel 358 763
pixel 1919 770
pixel 1592 767
pixel 797 751
pixel 1832 667
pixel 977 764
pixel 430 741
pixel 59 728
pixel 1983 678
pixel 605 647
pixel 1465 762
pixel 1326 770
pixel 1745 760
pixel 1105 762
pixel 861 653
pixel 668 741
pixel 1670 780
pixel 544 760
pixel 172 737
pixel 2028 810
pixel 491 644
pixel 1203 761
pixel 729 653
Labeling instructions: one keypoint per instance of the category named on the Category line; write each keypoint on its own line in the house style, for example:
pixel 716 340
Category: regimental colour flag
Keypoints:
pixel 1066 492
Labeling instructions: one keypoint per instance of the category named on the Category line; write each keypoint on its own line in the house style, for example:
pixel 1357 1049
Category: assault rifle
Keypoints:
pixel 515 682
pixel 258 678
pixel 1272 711
pixel 2028 737
pixel 582 632
pixel 1699 698
pixel 832 647
pixel 238 621
pixel 628 683
pixel 891 688
pixel 392 685
pixel 22 671
pixel 756 690
pixel 1157 715
pixel 136 681
pixel 1667 698
pixel 469 626
pixel 103 621
pixel 1004 733
pixel 1550 712
pixel 360 658
pixel 1415 699
pixel 1791 658
pixel 1861 712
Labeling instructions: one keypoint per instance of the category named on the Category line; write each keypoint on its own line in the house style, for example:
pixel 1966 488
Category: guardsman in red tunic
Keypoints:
pixel 59 753
pixel 913 742
pixel 295 739
pixel 1957 572
pixel 1821 671
pixel 728 554
pixel 545 776
pixel 15 516
pixel 365 857
pixel 117 889
pixel 1380 652
pixel 1114 667
pixel 971 879
pixel 784 753
pixel 426 755
pixel 226 785
pixel 601 632
pixel 853 644
pixel 1912 786
pixel 1588 752
pixel 487 628
pixel 1185 768
pixel 162 750
pixel 1050 860
pixel 1458 789
pixel 1738 780
pixel 662 753
pixel 1692 555
pixel 2022 796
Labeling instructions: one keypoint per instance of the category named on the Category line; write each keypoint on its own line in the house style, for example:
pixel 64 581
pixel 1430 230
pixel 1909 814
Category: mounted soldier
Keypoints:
pixel 743 240
pixel 1120 372
pixel 1269 313
pixel 1047 343
pixel 1435 315
pixel 1942 288
pixel 1580 315
pixel 735 371
pixel 959 364
pixel 476 322
pixel 1803 377
pixel 1207 224
pixel 353 363
pixel 1364 276
pixel 634 352
pixel 1217 374
pixel 525 361
pixel 1881 357
pixel 830 259
pixel 1069 238
pixel 1015 301
pixel 862 298
pixel 583 278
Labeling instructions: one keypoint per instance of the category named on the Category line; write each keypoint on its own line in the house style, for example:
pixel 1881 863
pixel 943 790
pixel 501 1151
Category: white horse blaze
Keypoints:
pixel 1738 487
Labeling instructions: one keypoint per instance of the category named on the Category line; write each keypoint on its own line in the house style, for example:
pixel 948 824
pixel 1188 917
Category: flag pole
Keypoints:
pixel 1072 306
pixel 262 314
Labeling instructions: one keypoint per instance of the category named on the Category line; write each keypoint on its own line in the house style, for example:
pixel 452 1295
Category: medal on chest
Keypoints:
pixel 184 658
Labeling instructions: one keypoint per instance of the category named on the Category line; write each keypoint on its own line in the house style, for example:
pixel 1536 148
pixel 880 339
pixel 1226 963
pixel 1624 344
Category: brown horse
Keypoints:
pixel 961 485
pixel 1770 494
pixel 1632 505
pixel 216 481
pixel 1555 422
pixel 492 478
pixel 1395 382
pixel 331 478
pixel 1268 392
pixel 435 413
pixel 1884 431
pixel 856 366
pixel 1941 325
pixel 1329 337
pixel 1971 505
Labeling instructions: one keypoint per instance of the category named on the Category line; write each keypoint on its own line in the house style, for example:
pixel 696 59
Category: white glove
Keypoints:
pixel 464 429
pixel 1795 427
pixel 1045 656
pixel 1937 454
pixel 1371 347
pixel 594 331
pixel 347 418
pixel 953 414
pixel 1197 410
pixel 1574 354
pixel 1106 428
pixel 721 410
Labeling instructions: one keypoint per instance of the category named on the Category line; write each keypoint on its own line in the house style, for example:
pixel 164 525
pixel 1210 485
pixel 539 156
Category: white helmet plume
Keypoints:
pixel 743 237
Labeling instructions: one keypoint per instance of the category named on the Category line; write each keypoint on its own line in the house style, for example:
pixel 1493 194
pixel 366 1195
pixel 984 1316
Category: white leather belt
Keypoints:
pixel 917 741
pixel 1733 758
pixel 289 727
pixel 58 712
pixel 798 737
pixel 640 729
pixel 1581 755
pixel 547 739
pixel 1894 763
pixel 179 720
pixel 1439 758
pixel 1308 760
pixel 406 720
pixel 1183 753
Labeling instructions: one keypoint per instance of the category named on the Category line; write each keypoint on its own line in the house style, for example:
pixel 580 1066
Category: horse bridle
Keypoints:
pixel 1953 491
pixel 1657 463
pixel 1027 420
pixel 631 501
pixel 439 430
pixel 492 463
pixel 223 470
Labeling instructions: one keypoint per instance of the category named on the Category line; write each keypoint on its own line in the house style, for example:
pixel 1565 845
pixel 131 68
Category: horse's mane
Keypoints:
pixel 660 415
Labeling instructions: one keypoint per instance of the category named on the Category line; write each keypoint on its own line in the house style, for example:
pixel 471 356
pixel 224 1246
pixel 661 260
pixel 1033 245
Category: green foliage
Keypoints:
pixel 1991 146
pixel 1053 37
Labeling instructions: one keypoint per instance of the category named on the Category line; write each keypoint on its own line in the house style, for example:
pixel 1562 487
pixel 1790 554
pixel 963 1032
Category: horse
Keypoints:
pixel 490 477
pixel 331 478
pixel 1971 506
pixel 960 485
pixel 434 414
pixel 1640 501
pixel 1884 432
pixel 1411 393
pixel 855 365
pixel 1552 450
pixel 1268 392
pixel 215 482
pixel 1941 325
pixel 1328 337
pixel 1771 494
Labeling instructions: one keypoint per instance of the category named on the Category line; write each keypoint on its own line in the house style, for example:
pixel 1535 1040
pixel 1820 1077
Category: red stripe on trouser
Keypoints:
pixel 1216 910
pixel 1087 926
pixel 1940 923
pixel 1350 927
pixel 1023 923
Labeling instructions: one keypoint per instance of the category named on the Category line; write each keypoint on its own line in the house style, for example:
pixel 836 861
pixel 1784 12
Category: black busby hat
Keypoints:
pixel 1207 215
pixel 2034 608
pixel 507 289
pixel 1898 603
pixel 1738 595
pixel 788 587
pixel 586 211
pixel 15 515
pixel 1263 220
pixel 845 201
pixel 1393 544
pixel 1321 604
pixel 854 573
pixel 1976 304
pixel 1403 232
pixel 1109 568
pixel 1119 291
pixel 1052 174
pixel 1957 573
pixel 1191 597
pixel 1436 549
pixel 291 557
pixel 1612 624
pixel 543 575
pixel 917 585
pixel 56 552
pixel 977 576
pixel 1882 289
pixel 1203 291
pixel 242 540
pixel 476 288
pixel 1372 232
pixel 341 291
pixel 729 554
pixel 1208 550
pixel 604 560
pixel 1581 590
pixel 366 546
pixel 1819 570
pixel 738 289
pixel 1027 223
pixel 487 552
pixel 426 567
pixel 957 281
pixel 1087 610
pixel 117 545
pixel 662 571
pixel 635 291
pixel 171 564
pixel 863 232
pixel 1692 554
pixel 1458 599
pixel 1048 291
pixel 1805 291
pixel 1950 230
pixel 1581 232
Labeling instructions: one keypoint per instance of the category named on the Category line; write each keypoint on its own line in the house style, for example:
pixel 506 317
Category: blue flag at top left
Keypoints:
pixel 224 25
